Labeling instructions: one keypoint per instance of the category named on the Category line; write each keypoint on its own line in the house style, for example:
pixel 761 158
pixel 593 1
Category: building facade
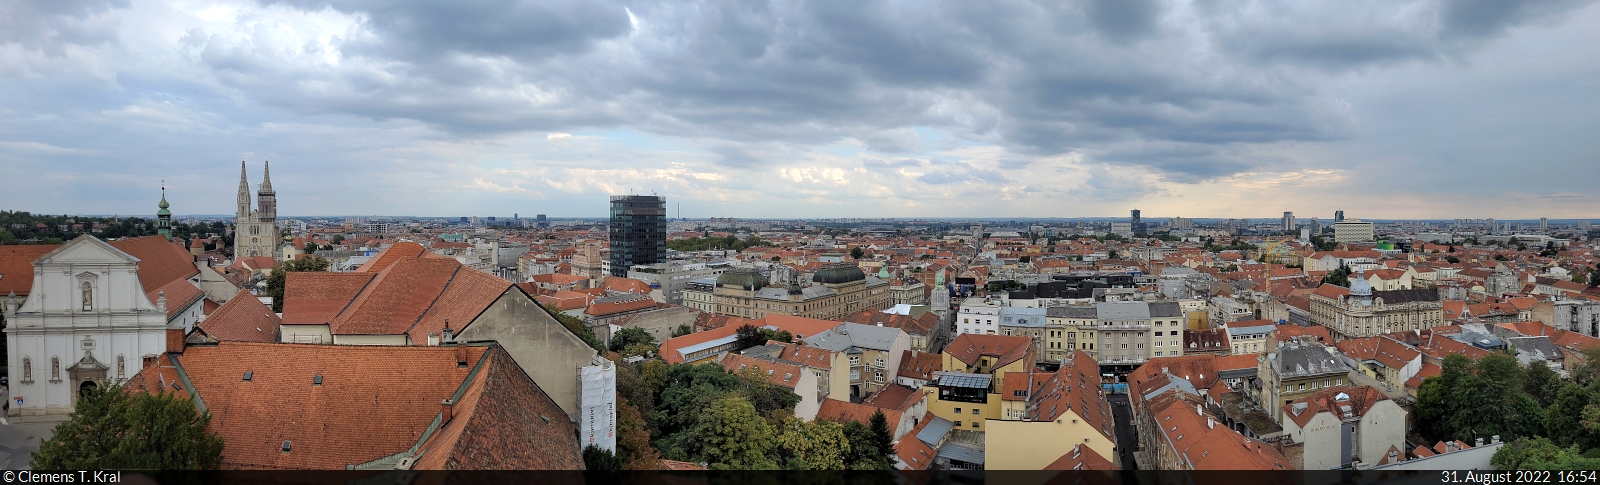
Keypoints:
pixel 1352 230
pixel 1298 369
pixel 836 291
pixel 1361 312
pixel 256 230
pixel 88 321
pixel 638 231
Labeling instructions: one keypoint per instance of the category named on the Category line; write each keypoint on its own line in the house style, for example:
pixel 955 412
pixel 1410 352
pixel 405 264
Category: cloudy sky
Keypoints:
pixel 1203 108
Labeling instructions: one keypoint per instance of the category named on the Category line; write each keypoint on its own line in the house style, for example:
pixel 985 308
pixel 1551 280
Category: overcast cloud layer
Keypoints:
pixel 1386 109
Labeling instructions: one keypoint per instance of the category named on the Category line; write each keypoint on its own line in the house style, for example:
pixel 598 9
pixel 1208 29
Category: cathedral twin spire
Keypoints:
pixel 267 204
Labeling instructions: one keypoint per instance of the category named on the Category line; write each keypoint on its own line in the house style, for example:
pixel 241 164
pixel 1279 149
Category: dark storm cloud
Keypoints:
pixel 417 29
pixel 1178 88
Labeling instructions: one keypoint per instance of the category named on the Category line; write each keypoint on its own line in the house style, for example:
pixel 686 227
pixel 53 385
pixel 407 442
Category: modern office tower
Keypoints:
pixel 1338 215
pixel 1136 224
pixel 638 231
pixel 541 221
pixel 1288 221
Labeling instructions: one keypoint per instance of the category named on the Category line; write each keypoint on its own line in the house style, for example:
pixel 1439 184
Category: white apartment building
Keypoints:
pixel 978 315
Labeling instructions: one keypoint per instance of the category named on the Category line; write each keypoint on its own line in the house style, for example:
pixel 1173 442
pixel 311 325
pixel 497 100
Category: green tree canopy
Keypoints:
pixel 731 435
pixel 113 429
pixel 857 252
pixel 630 336
pixel 1475 399
pixel 817 445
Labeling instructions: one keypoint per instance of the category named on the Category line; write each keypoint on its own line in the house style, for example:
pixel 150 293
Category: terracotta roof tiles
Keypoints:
pixel 374 401
pixel 244 318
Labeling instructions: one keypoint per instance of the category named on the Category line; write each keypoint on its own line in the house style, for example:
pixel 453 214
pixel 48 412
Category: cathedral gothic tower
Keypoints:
pixel 256 231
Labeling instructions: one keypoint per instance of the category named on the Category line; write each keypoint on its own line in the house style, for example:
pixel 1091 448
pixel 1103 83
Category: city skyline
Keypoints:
pixel 1431 110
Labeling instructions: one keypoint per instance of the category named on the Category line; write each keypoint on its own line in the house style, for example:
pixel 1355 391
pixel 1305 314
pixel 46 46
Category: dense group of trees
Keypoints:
pixel 630 342
pixel 710 243
pixel 1478 399
pixel 752 336
pixel 1550 422
pixel 114 430
pixel 732 421
pixel 1339 276
pixel 17 227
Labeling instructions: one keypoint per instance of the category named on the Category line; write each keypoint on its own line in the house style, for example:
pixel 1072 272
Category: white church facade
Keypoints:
pixel 87 320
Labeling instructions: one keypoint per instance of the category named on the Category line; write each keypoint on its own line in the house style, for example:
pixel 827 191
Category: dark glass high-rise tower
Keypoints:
pixel 638 231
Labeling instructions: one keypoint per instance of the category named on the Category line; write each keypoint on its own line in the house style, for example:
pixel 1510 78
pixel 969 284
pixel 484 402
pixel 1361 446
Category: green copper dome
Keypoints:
pixel 164 205
pixel 742 278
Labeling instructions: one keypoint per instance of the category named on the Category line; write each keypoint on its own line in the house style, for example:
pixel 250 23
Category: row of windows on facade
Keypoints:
pixel 1325 383
pixel 855 375
pixel 55 368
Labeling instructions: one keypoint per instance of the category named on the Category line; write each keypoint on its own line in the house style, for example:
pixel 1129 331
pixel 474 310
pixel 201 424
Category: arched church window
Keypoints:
pixel 55 368
pixel 27 370
pixel 88 296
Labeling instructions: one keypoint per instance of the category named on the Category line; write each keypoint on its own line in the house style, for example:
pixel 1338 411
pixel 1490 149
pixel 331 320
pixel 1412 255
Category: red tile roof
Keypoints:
pixel 616 307
pixel 397 252
pixel 845 411
pixel 968 347
pixel 411 296
pixel 1332 291
pixel 316 298
pixel 1284 333
pixel 503 421
pixel 1359 398
pixel 375 401
pixel 918 325
pixel 16 267
pixel 244 318
pixel 814 357
pixel 1205 446
pixel 1074 387
pixel 896 397
pixel 626 285
pixel 777 373
pixel 919 365
pixel 1082 458
pixel 913 452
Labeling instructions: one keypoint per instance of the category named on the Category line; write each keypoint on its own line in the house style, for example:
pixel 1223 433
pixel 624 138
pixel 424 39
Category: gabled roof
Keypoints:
pixel 845 411
pixel 364 410
pixel 502 421
pixel 896 397
pixel 16 267
pixel 244 318
pixel 968 347
pixel 918 325
pixel 397 252
pixel 777 373
pixel 410 296
pixel 1075 388
pixel 919 365
pixel 617 306
pixel 1204 445
pixel 1343 402
pixel 1082 458
pixel 316 298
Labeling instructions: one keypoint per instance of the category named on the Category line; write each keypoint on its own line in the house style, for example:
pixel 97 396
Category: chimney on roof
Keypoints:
pixel 446 410
pixel 1478 442
pixel 448 336
pixel 461 356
